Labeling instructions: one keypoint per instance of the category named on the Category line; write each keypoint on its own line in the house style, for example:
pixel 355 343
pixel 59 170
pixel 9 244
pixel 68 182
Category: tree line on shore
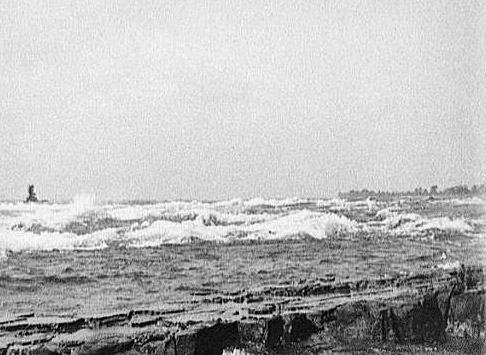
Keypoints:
pixel 458 190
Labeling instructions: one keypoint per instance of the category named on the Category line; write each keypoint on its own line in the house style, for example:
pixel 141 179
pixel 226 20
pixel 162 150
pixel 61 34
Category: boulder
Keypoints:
pixel 206 339
pixel 213 340
pixel 357 321
pixel 252 330
pixel 468 314
pixel 274 329
pixel 297 327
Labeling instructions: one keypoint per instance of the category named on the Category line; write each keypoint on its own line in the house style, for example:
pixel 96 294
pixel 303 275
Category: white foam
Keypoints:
pixel 315 224
pixel 450 265
pixel 414 224
pixel 20 240
pixel 446 224
pixel 48 226
pixel 82 203
pixel 3 254
pixel 388 212
pixel 312 224
pixel 53 217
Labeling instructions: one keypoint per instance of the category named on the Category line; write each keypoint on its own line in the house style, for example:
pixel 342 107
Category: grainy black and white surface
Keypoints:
pixel 170 177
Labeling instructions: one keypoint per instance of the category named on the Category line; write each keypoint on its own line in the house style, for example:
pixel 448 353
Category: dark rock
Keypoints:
pixel 205 339
pixel 185 341
pixel 274 329
pixel 322 317
pixel 108 319
pixel 252 330
pixel 319 343
pixel 69 326
pixel 468 314
pixel 165 347
pixel 428 323
pixel 423 320
pixel 213 340
pixel 468 305
pixel 473 277
pixel 396 321
pixel 32 195
pixel 44 350
pixel 298 327
pixel 144 321
pixel 151 336
pixel 104 346
pixel 253 298
pixel 131 352
pixel 359 321
pixel 265 308
pixel 44 324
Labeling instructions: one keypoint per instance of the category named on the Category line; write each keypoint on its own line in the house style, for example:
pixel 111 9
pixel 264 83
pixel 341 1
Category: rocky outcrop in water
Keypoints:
pixel 32 195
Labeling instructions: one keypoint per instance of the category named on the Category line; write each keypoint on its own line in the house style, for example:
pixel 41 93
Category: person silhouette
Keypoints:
pixel 32 196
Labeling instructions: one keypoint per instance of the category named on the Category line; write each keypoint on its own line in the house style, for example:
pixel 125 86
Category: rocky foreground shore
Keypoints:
pixel 311 317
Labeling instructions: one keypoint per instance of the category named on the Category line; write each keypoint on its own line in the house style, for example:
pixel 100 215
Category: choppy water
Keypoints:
pixel 84 224
pixel 85 257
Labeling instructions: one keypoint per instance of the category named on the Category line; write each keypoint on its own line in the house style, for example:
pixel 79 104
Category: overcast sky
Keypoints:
pixel 221 99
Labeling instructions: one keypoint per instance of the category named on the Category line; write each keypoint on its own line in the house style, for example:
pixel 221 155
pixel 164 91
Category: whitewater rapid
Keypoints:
pixel 84 224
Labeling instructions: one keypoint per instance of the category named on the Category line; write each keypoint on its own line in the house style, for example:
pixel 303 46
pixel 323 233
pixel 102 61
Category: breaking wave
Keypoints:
pixel 85 224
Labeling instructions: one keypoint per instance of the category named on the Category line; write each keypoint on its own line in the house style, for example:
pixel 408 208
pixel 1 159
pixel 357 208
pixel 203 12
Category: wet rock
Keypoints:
pixel 319 343
pixel 153 347
pixel 44 350
pixel 206 339
pixel 428 323
pixel 29 350
pixel 358 321
pixel 132 352
pixel 404 315
pixel 144 321
pixel 44 324
pixel 15 318
pixel 16 350
pixel 107 320
pixel 250 298
pixel 261 332
pixel 215 339
pixel 468 314
pixel 274 329
pixel 420 320
pixel 33 339
pixel 297 327
pixel 264 308
pixel 165 347
pixel 185 341
pixel 104 346
pixel 396 322
pixel 468 305
pixel 252 330
pixel 321 318
pixel 152 336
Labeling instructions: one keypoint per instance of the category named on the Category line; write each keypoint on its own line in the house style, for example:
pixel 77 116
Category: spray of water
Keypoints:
pixel 83 203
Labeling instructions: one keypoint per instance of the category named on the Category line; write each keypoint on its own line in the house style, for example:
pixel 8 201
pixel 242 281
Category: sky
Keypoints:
pixel 195 99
